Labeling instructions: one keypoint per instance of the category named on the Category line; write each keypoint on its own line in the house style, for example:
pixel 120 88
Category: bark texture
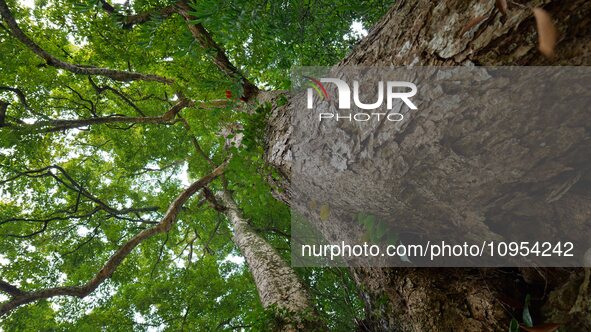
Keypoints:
pixel 431 151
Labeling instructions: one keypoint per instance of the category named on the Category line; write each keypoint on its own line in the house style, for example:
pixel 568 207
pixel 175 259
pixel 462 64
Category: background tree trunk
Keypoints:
pixel 278 286
pixel 434 33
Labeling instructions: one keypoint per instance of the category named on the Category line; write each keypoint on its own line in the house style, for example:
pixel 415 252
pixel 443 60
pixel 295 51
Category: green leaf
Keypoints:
pixel 368 221
pixel 527 320
pixel 381 229
pixel 514 325
pixel 145 165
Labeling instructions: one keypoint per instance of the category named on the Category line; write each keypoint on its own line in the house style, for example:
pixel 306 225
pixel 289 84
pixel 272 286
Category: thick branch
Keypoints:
pixel 130 20
pixel 210 196
pixel 220 59
pixel 59 125
pixel 107 7
pixel 3 108
pixel 118 75
pixel 111 265
pixel 19 94
pixel 199 33
pixel 10 289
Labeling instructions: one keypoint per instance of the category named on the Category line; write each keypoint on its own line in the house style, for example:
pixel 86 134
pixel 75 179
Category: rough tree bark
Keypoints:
pixel 434 33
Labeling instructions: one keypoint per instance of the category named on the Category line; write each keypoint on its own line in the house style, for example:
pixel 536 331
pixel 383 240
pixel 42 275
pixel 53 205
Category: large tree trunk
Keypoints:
pixel 434 33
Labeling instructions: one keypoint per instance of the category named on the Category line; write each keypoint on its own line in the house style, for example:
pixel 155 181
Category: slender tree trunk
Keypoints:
pixel 279 287
pixel 435 33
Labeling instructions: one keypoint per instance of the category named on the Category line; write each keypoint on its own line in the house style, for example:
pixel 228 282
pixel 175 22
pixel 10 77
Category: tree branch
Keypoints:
pixel 45 223
pixel 118 75
pixel 3 108
pixel 199 33
pixel 130 20
pixel 210 196
pixel 19 299
pixel 100 89
pixel 107 7
pixel 71 184
pixel 10 289
pixel 19 94
pixel 59 125
pixel 220 59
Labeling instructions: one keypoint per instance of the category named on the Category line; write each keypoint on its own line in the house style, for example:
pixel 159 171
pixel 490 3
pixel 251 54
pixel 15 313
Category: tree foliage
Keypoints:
pixel 88 160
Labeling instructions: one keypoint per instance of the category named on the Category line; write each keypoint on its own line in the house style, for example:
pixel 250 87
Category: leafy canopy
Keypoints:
pixel 70 197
